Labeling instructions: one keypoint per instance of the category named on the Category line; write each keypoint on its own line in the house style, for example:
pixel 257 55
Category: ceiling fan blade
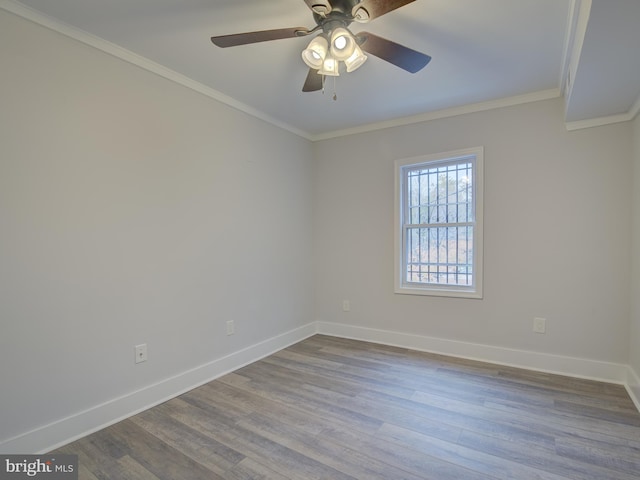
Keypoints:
pixel 260 36
pixel 313 83
pixel 377 8
pixel 399 55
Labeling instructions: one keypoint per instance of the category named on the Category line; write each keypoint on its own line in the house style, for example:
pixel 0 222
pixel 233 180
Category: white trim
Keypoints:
pixel 537 361
pixel 633 386
pixel 601 121
pixel 139 61
pixel 400 286
pixel 444 113
pixel 80 424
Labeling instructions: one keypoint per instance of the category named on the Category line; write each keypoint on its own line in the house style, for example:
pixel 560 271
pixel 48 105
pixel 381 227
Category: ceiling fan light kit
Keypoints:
pixel 316 52
pixel 324 57
pixel 335 43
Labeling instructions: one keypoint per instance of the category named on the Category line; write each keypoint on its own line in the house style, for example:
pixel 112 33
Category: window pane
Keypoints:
pixel 438 195
pixel 440 255
pixel 441 194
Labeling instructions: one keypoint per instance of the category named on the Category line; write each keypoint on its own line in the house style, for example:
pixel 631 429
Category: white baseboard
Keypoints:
pixel 542 362
pixel 633 386
pixel 63 431
pixel 66 430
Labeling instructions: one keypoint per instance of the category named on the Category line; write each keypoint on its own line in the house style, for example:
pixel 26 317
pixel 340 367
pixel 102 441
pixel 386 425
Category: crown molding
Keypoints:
pixel 445 113
pixel 600 121
pixel 128 56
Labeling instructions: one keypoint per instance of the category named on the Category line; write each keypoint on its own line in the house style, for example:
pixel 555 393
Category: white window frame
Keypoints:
pixel 476 157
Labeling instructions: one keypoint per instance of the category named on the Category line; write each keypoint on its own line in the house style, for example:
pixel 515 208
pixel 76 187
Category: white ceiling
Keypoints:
pixel 485 52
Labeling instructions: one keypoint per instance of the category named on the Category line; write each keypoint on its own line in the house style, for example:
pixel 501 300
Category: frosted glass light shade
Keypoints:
pixel 342 44
pixel 316 52
pixel 330 67
pixel 356 59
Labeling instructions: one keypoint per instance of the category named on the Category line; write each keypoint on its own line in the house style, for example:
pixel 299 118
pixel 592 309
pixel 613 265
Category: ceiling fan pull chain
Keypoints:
pixel 335 96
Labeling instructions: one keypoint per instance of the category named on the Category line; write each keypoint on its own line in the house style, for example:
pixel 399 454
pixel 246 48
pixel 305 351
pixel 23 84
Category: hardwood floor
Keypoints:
pixel 330 408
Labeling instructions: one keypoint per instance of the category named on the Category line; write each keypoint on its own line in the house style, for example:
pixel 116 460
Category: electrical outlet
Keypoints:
pixel 230 327
pixel 346 306
pixel 141 353
pixel 539 325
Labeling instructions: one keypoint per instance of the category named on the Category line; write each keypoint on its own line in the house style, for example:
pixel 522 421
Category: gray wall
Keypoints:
pixel 133 210
pixel 556 232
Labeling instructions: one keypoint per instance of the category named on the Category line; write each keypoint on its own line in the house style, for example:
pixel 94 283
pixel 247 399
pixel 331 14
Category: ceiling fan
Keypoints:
pixel 335 43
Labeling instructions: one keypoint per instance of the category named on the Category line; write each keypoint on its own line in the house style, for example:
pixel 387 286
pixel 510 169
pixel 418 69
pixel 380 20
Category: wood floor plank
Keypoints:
pixel 158 457
pixel 566 421
pixel 250 469
pixel 329 452
pixel 96 461
pixel 600 413
pixel 470 418
pixel 271 454
pixel 295 417
pixel 614 457
pixel 539 459
pixel 201 448
pixel 294 396
pixel 133 470
pixel 499 468
pixel 421 463
pixel 364 377
pixel 340 409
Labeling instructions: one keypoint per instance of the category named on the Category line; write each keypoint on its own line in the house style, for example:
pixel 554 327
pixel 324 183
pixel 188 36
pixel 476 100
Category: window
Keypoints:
pixel 439 224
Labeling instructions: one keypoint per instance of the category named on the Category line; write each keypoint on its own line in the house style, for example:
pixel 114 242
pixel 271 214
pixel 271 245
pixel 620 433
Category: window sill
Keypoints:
pixel 439 292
